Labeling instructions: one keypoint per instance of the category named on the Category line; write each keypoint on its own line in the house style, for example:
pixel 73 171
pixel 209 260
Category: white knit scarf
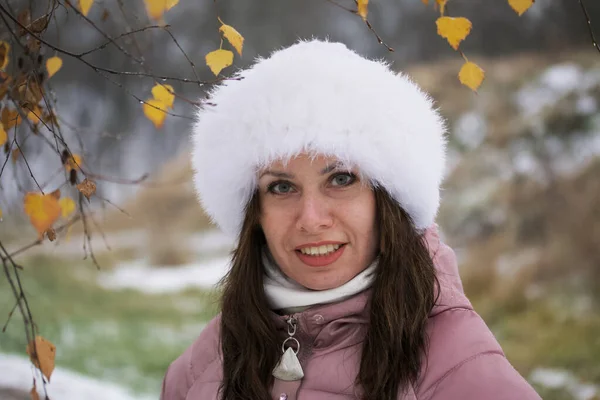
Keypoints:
pixel 285 294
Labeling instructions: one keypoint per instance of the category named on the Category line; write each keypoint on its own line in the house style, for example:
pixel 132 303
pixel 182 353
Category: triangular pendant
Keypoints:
pixel 288 368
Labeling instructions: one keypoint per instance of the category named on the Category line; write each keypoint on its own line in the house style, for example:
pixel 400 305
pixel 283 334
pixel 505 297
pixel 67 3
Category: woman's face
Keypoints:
pixel 318 219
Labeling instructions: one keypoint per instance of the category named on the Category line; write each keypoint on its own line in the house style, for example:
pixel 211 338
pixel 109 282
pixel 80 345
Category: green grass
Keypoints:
pixel 541 334
pixel 124 336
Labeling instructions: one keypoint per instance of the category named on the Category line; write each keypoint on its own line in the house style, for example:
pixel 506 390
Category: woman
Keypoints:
pixel 326 167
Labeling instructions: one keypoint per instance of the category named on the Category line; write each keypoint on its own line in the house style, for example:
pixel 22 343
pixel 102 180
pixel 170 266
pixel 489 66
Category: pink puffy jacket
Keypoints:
pixel 465 361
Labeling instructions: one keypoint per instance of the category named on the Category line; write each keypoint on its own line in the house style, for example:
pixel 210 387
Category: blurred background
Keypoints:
pixel 520 205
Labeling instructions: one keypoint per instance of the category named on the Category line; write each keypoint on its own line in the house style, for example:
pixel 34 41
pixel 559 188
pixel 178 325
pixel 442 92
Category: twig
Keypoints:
pixel 87 236
pixel 28 167
pixel 355 12
pixel 117 180
pixel 110 40
pixel 97 225
pixel 102 46
pixel 10 314
pixel 40 240
pixel 589 25
pixel 8 154
pixel 96 68
pixel 166 28
pixel 379 40
pixel 114 205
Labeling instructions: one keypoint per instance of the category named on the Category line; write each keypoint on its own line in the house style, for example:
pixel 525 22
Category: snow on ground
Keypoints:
pixel 140 276
pixel 558 378
pixel 17 373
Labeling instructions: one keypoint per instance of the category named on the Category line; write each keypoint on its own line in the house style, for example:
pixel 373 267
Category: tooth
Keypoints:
pixel 323 249
pixel 336 246
pixel 330 248
pixel 303 250
pixel 314 251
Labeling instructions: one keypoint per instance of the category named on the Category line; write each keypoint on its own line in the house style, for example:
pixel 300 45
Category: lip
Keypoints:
pixel 321 261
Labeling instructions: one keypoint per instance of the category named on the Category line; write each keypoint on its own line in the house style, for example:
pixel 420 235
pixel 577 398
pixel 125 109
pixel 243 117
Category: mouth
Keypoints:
pixel 322 255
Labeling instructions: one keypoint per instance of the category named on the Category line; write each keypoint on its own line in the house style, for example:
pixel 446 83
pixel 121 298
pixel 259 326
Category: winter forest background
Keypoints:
pixel 521 204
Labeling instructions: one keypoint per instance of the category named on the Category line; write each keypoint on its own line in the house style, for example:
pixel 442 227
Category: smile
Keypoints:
pixel 320 250
pixel 320 256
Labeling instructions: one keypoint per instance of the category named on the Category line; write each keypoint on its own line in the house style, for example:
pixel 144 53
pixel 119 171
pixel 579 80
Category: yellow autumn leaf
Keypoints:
pixel 520 6
pixel 233 37
pixel 3 135
pixel 34 115
pixel 53 64
pixel 455 30
pixel 164 94
pixel 43 210
pixel 10 118
pixel 426 2
pixel 157 116
pixel 73 163
pixel 85 5
pixel 442 5
pixel 219 59
pixel 471 75
pixel 156 8
pixel 363 9
pixel 42 355
pixel 4 50
pixel 0 214
pixel 170 4
pixel 67 206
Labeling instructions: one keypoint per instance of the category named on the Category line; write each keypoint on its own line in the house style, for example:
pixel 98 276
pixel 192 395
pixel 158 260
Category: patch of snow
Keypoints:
pixel 17 373
pixel 509 264
pixel 211 241
pixel 586 105
pixel 525 163
pixel 139 276
pixel 470 129
pixel 553 84
pixel 562 78
pixel 580 152
pixel 558 378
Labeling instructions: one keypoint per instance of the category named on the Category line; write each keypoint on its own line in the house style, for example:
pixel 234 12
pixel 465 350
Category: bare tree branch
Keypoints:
pixel 589 25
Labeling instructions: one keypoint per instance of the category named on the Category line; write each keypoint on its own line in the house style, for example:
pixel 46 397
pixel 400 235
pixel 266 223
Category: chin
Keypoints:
pixel 321 285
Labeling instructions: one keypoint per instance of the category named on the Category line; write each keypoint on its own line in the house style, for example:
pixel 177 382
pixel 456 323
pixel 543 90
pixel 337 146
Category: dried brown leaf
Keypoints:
pixel 33 392
pixel 39 25
pixel 42 355
pixel 24 19
pixel 51 233
pixel 87 188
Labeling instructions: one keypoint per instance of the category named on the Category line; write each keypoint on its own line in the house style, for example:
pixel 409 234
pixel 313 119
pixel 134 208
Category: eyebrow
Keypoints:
pixel 278 174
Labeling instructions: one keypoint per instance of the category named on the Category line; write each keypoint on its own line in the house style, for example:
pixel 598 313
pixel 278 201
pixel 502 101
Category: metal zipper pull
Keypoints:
pixel 288 368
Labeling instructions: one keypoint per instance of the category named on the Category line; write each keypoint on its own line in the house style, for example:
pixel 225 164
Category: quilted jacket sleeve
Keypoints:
pixel 178 378
pixel 484 376
pixel 188 367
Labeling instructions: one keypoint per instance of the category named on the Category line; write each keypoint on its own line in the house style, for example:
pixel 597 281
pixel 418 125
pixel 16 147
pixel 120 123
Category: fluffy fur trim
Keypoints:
pixel 322 98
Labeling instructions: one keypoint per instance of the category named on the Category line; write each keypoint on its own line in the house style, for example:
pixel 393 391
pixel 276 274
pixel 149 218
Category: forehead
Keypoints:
pixel 306 161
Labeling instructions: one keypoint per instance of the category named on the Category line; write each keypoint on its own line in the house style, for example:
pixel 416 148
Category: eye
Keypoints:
pixel 280 187
pixel 343 179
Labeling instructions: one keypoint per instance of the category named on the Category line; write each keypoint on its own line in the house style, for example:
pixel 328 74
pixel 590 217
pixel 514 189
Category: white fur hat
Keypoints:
pixel 322 98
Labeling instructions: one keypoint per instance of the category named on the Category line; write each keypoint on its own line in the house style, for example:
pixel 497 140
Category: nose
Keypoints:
pixel 314 214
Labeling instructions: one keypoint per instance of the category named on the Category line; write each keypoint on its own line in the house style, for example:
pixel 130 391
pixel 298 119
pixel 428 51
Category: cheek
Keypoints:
pixel 367 223
pixel 273 223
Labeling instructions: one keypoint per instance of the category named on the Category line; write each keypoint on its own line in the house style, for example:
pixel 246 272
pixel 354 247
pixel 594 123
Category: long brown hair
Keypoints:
pixel 395 344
